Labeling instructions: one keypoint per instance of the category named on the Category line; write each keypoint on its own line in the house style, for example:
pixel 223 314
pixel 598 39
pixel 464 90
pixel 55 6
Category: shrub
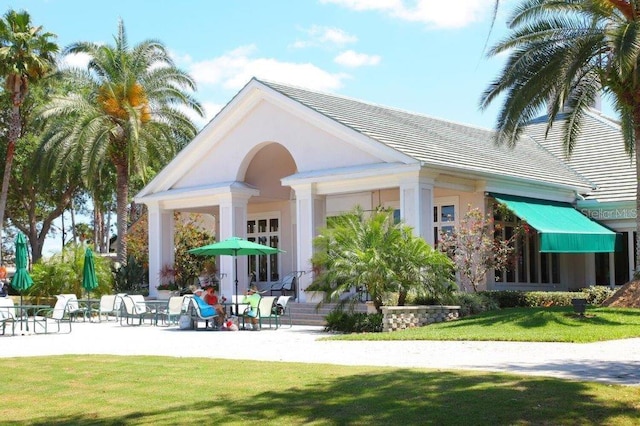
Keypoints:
pixel 474 303
pixel 353 322
pixel 131 278
pixel 595 295
pixel 62 273
pixel 507 298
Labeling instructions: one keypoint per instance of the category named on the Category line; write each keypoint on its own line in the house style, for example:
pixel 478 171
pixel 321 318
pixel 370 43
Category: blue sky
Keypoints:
pixel 422 56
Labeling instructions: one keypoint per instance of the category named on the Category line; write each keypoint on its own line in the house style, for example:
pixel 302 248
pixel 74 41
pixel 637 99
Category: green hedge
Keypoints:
pixel 595 295
pixel 356 322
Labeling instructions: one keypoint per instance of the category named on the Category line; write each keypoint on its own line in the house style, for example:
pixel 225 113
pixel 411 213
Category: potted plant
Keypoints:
pixel 167 290
pixel 167 282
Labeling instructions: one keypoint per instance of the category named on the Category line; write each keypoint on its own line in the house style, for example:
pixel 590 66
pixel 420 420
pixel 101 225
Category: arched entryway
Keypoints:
pixel 270 215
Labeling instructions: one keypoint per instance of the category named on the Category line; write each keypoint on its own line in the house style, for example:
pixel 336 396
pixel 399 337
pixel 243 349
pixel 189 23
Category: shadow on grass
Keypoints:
pixel 541 317
pixel 389 397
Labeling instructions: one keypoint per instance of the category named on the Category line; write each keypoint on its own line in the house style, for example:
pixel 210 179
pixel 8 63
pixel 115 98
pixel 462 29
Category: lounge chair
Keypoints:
pixel 286 284
pixel 201 311
pixel 73 308
pixel 63 312
pixel 135 308
pixel 107 307
pixel 282 309
pixel 175 308
pixel 266 310
pixel 7 314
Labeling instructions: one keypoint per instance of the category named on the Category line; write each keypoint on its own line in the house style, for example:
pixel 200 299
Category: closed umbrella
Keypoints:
pixel 89 278
pixel 21 280
pixel 234 246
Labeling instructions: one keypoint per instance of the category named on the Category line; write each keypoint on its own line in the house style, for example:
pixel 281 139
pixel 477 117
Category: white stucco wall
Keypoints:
pixel 310 147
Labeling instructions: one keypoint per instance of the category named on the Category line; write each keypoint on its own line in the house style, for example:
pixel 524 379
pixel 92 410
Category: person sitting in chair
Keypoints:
pixel 252 298
pixel 211 299
pixel 205 309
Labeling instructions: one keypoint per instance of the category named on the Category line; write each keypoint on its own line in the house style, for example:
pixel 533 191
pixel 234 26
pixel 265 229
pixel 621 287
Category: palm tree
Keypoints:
pixel 377 255
pixel 26 55
pixel 127 118
pixel 562 54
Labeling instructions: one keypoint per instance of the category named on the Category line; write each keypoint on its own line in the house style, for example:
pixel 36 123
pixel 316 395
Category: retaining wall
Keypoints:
pixel 401 317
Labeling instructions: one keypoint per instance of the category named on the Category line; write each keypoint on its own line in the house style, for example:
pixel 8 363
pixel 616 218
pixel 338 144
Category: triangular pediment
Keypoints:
pixel 255 118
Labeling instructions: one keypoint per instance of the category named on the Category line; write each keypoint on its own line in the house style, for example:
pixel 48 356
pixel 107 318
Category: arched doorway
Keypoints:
pixel 269 215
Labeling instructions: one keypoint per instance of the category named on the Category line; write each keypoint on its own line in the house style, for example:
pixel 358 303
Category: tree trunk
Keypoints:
pixel 74 231
pixel 122 185
pixel 106 227
pixel 15 127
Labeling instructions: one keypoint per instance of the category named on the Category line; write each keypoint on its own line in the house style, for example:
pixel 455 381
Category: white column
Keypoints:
pixel 161 244
pixel 310 215
pixel 416 206
pixel 233 223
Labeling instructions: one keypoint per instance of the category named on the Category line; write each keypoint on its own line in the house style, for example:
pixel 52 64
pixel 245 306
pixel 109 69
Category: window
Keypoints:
pixel 529 265
pixel 265 231
pixel 445 216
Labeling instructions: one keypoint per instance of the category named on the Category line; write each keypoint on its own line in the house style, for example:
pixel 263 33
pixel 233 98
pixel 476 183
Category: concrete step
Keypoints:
pixel 309 314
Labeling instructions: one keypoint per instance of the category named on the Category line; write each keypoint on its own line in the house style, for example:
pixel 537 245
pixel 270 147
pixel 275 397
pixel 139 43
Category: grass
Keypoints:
pixel 111 390
pixel 553 324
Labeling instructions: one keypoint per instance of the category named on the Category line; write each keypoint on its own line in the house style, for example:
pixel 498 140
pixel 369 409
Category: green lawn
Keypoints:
pixel 554 324
pixel 111 390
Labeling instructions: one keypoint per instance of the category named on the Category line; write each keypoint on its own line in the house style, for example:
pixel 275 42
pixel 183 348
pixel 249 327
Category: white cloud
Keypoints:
pixel 332 35
pixel 452 14
pixel 235 68
pixel 319 36
pixel 352 59
pixel 74 60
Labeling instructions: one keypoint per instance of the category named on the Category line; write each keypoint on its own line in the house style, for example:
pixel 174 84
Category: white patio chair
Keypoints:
pixel 107 307
pixel 8 314
pixel 133 308
pixel 175 308
pixel 62 312
pixel 73 308
pixel 201 311
pixel 283 310
pixel 266 310
pixel 286 284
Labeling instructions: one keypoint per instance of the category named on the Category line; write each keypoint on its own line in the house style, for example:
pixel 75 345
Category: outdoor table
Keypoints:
pixel 229 307
pixel 24 312
pixel 88 304
pixel 158 307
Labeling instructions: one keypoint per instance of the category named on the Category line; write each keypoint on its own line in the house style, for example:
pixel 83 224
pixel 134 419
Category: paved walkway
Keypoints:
pixel 612 362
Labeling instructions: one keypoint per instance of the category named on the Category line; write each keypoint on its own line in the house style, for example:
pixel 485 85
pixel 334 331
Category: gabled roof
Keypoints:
pixel 437 142
pixel 392 133
pixel 598 155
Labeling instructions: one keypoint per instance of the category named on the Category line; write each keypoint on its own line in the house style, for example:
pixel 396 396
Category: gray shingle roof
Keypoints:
pixel 598 155
pixel 438 142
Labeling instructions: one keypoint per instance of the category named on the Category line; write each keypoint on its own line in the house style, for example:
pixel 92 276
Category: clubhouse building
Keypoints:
pixel 278 160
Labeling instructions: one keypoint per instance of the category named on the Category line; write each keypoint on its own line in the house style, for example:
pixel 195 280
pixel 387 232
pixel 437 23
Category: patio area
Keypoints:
pixel 612 362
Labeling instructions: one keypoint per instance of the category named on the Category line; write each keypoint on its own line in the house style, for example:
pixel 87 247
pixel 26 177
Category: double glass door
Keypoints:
pixel 266 231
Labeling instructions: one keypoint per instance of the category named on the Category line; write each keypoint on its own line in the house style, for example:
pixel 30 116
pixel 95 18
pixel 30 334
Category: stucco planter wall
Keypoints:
pixel 166 294
pixel 401 317
pixel 314 296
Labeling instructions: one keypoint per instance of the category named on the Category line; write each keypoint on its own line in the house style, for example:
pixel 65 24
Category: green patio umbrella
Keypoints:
pixel 21 280
pixel 234 246
pixel 89 278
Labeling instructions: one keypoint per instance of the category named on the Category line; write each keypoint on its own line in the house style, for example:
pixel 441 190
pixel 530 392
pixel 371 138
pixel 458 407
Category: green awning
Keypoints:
pixel 561 228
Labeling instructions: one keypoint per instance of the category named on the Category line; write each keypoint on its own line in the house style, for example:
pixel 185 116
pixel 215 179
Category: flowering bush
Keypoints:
pixel 474 249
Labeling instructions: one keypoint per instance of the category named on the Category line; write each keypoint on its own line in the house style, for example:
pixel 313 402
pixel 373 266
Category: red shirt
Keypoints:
pixel 211 299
